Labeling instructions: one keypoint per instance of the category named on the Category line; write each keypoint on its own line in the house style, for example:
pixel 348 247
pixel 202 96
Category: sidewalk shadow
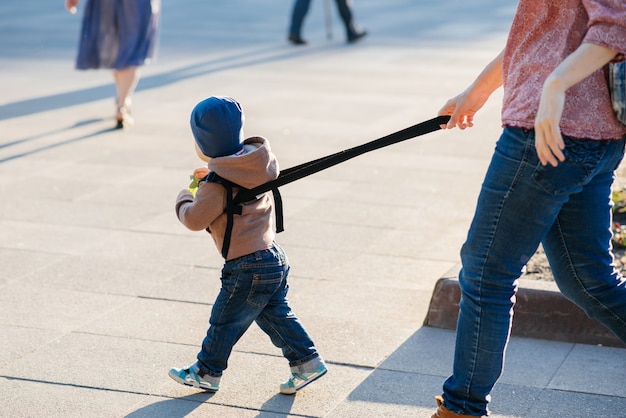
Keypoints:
pixel 278 402
pixel 92 94
pixel 181 407
pixel 54 145
pixel 172 408
pixel 412 375
pixel 415 372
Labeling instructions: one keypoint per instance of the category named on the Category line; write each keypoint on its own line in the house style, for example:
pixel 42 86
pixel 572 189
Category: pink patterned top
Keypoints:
pixel 544 33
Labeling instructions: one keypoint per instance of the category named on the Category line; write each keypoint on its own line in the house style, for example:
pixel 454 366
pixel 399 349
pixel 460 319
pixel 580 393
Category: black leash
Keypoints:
pixel 233 205
pixel 306 169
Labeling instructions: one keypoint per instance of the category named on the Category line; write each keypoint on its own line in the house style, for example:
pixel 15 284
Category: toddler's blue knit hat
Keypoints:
pixel 217 126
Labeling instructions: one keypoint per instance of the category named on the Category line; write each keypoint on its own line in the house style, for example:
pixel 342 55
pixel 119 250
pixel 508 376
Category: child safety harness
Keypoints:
pixel 234 203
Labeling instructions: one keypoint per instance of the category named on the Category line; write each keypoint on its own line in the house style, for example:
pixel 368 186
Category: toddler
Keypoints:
pixel 254 276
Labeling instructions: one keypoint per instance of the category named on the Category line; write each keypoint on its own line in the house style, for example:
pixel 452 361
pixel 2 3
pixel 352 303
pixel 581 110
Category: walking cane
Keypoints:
pixel 329 22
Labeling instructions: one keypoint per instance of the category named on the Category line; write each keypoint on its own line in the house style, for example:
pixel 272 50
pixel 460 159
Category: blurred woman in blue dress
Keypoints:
pixel 121 35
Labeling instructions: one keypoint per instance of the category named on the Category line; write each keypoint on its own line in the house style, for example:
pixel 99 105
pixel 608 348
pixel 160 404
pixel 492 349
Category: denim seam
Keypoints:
pixel 522 166
pixel 581 287
pixel 275 333
pixel 219 319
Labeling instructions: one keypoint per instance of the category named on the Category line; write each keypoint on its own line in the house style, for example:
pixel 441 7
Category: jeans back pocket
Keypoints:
pixel 263 288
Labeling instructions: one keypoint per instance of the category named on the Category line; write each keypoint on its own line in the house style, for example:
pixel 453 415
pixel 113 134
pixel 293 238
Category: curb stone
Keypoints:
pixel 541 312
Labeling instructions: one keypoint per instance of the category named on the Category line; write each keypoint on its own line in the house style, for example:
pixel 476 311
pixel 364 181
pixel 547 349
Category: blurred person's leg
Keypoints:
pixel 125 82
pixel 345 12
pixel 300 9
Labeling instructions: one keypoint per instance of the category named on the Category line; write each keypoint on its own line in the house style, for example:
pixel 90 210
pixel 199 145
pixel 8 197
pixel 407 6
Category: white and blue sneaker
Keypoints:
pixel 299 380
pixel 192 376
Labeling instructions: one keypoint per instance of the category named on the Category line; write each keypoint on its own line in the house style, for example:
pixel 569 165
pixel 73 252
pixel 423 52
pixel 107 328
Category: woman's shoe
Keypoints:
pixel 443 412
pixel 122 118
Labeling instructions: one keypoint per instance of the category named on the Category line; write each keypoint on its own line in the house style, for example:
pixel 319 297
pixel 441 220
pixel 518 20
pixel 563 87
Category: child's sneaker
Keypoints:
pixel 192 376
pixel 299 380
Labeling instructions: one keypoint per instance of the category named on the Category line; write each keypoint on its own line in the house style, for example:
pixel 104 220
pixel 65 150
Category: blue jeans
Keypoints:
pixel 522 204
pixel 254 288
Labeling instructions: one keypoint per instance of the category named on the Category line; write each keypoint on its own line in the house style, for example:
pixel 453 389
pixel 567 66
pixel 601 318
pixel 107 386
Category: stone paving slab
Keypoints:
pixel 27 398
pixel 102 290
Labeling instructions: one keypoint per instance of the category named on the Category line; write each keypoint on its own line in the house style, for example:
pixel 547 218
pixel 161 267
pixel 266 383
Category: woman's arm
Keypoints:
pixel 583 62
pixel 464 106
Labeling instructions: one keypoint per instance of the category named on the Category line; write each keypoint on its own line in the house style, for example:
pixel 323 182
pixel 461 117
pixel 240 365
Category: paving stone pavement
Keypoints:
pixel 102 290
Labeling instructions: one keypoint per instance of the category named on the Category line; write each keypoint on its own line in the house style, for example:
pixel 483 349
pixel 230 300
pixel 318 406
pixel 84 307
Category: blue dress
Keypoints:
pixel 118 34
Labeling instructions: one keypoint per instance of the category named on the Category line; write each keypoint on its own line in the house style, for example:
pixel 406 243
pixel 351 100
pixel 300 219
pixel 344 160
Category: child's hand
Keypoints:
pixel 198 174
pixel 201 172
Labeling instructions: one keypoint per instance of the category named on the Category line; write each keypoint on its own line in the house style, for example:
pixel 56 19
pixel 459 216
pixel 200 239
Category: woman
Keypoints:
pixel 549 182
pixel 121 35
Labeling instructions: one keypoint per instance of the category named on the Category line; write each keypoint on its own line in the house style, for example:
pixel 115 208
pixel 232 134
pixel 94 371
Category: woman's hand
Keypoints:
pixel 581 63
pixel 70 5
pixel 548 140
pixel 463 107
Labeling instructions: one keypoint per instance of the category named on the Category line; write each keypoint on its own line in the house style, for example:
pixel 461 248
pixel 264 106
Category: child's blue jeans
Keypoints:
pixel 522 204
pixel 254 288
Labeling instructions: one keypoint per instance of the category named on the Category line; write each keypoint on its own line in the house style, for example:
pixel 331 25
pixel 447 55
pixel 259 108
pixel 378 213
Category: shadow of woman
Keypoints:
pixel 34 147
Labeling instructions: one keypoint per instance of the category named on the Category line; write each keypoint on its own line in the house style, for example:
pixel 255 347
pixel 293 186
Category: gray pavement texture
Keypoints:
pixel 102 290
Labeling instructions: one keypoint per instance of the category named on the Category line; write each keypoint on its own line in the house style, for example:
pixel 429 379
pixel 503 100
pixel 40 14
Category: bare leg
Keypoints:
pixel 125 82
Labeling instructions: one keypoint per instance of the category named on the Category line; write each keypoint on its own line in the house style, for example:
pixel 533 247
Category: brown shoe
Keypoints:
pixel 442 411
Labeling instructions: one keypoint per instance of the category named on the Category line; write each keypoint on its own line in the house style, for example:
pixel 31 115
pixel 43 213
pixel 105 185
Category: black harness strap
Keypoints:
pixel 233 205
pixel 278 208
pixel 231 208
pixel 230 214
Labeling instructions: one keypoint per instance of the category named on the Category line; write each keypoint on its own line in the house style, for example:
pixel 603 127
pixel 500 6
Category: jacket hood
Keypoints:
pixel 251 169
